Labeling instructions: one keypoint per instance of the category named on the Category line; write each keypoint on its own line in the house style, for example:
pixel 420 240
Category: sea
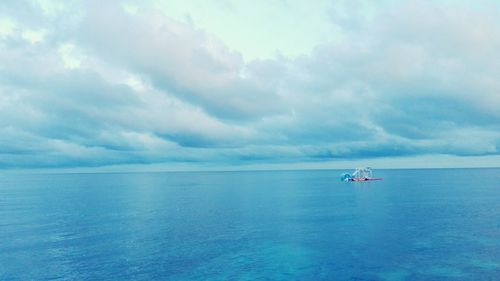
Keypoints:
pixel 422 224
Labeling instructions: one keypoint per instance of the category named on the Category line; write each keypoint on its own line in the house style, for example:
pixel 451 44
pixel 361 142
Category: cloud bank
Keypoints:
pixel 92 84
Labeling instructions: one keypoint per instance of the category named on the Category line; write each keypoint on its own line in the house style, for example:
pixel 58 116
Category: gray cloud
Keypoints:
pixel 178 59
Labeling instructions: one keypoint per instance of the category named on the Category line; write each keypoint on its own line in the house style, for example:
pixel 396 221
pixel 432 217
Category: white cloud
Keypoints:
pixel 7 27
pixel 33 36
pixel 67 53
pixel 130 8
pixel 52 8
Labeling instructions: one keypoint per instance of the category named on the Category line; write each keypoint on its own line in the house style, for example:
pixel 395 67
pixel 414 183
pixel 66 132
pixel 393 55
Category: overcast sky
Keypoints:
pixel 220 83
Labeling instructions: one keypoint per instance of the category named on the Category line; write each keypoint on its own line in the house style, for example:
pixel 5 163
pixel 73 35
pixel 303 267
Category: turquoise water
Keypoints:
pixel 293 225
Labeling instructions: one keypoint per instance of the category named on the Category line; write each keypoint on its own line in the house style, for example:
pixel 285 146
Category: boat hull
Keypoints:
pixel 365 179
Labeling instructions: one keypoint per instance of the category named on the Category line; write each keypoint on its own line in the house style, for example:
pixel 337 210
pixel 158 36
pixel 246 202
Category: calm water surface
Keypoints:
pixel 293 225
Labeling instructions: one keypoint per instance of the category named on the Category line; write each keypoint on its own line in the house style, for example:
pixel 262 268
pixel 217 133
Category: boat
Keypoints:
pixel 360 174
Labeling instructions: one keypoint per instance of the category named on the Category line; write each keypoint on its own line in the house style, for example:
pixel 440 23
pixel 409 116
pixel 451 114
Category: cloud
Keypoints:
pixel 402 77
pixel 178 59
pixel 92 84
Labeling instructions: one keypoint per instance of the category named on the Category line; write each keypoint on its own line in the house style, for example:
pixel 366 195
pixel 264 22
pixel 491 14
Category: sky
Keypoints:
pixel 226 84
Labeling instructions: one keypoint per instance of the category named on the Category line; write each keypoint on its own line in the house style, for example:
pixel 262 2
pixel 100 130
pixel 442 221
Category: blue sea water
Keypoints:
pixel 441 224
